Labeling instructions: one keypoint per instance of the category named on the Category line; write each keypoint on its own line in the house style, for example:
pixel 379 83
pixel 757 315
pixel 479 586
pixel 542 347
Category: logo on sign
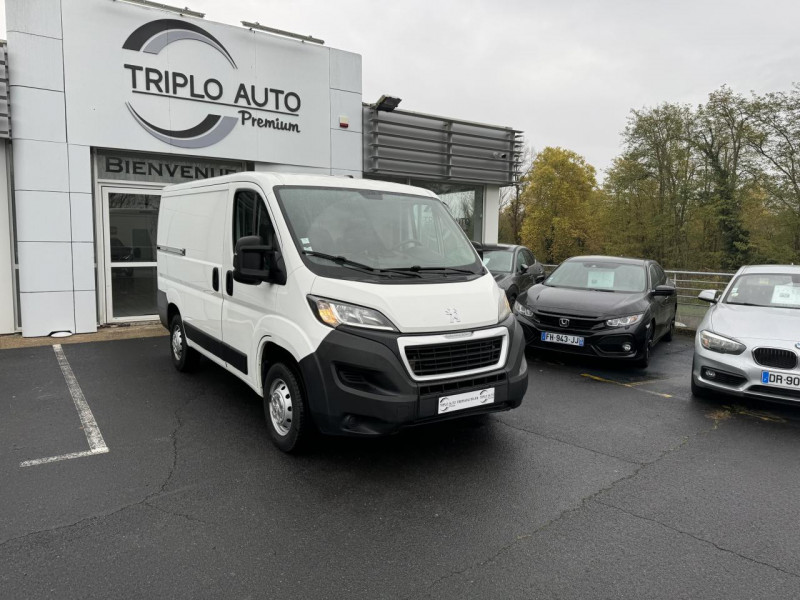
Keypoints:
pixel 171 83
pixel 563 322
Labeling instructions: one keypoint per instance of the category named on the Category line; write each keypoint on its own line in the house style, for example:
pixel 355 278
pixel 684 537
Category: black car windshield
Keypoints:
pixel 384 231
pixel 777 290
pixel 498 261
pixel 599 275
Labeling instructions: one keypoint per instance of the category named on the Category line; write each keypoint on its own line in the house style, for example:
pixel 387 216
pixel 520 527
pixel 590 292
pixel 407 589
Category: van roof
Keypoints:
pixel 270 179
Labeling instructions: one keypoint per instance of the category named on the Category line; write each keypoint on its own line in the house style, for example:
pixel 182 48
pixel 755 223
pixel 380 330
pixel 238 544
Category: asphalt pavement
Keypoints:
pixel 608 482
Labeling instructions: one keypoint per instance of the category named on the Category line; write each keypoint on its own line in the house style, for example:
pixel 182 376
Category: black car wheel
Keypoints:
pixel 644 359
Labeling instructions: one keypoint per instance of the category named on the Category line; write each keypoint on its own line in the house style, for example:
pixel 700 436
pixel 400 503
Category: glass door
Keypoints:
pixel 130 221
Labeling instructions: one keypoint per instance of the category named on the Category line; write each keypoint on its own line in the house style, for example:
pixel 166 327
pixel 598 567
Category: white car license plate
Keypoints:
pixel 562 338
pixel 784 380
pixel 456 402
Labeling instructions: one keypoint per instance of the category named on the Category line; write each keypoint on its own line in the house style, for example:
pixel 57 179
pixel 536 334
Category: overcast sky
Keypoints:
pixel 566 73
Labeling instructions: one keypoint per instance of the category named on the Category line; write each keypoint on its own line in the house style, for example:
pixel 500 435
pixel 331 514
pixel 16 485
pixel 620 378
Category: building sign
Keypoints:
pixel 139 79
pixel 159 168
pixel 152 38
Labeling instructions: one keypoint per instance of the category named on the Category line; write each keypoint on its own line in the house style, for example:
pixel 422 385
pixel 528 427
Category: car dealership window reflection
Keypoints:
pixel 464 201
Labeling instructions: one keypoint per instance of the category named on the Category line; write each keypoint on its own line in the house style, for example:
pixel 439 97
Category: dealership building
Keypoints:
pixel 105 102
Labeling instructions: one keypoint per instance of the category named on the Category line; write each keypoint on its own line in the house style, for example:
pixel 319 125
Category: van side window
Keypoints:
pixel 250 217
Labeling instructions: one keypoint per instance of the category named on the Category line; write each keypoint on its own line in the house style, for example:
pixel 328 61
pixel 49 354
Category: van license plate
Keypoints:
pixel 456 402
pixel 562 338
pixel 784 380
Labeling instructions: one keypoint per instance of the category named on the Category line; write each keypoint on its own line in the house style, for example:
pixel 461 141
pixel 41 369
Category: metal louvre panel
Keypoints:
pixel 5 111
pixel 400 143
pixel 438 359
pixel 775 357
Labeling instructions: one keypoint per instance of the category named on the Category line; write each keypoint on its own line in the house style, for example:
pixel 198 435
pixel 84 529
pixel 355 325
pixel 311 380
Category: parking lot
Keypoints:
pixel 608 482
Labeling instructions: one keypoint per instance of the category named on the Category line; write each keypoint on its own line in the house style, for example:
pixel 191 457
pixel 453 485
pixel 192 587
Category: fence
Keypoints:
pixel 689 284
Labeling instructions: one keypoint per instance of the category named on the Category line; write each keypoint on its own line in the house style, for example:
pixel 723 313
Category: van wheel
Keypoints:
pixel 184 358
pixel 285 409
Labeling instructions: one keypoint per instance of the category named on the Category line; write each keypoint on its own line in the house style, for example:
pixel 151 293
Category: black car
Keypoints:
pixel 514 268
pixel 600 306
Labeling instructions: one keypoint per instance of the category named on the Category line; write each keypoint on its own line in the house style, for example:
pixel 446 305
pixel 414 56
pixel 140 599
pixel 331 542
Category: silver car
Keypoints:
pixel 749 341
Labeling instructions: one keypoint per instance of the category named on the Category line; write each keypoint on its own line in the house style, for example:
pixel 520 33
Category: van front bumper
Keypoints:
pixel 357 385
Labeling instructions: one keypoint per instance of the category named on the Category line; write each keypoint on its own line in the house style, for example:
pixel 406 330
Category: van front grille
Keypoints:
pixel 454 357
pixel 775 357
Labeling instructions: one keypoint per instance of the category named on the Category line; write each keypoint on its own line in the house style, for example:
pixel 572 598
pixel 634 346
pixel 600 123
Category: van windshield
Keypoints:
pixel 376 235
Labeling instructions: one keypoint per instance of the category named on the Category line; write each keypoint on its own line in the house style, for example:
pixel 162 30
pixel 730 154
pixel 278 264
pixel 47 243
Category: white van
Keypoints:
pixel 353 307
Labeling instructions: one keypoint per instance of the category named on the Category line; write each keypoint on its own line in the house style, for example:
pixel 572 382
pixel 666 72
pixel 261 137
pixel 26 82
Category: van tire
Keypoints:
pixel 285 409
pixel 184 358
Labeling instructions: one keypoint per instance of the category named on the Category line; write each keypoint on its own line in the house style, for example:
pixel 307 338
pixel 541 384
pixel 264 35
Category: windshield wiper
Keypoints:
pixel 417 269
pixel 346 262
pixel 600 290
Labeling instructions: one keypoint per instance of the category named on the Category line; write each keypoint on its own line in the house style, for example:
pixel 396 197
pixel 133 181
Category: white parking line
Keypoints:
pixel 97 444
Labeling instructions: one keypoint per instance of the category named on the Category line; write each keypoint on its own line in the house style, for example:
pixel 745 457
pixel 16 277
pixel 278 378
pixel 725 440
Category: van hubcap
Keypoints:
pixel 177 342
pixel 280 406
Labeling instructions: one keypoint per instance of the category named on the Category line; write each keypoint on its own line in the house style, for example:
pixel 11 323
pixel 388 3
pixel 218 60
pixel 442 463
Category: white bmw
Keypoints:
pixel 749 340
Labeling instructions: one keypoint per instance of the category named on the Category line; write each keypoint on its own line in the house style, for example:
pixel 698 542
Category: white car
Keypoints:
pixel 749 340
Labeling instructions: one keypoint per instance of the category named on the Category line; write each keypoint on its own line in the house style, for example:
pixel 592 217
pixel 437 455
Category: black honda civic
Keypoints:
pixel 600 306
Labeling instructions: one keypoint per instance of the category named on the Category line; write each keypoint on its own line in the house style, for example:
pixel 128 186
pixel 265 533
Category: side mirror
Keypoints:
pixel 251 260
pixel 478 248
pixel 664 290
pixel 708 296
pixel 523 268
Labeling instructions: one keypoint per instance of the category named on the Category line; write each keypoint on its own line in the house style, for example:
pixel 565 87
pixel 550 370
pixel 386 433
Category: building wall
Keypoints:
pixel 52 179
pixel 7 320
pixel 491 214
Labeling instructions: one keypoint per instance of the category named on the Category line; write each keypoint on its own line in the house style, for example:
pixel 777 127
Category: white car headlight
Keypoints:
pixel 522 310
pixel 503 309
pixel 334 313
pixel 624 321
pixel 718 343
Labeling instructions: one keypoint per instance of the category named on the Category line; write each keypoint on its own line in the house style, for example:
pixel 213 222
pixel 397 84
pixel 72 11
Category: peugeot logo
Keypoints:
pixel 453 314
pixel 563 322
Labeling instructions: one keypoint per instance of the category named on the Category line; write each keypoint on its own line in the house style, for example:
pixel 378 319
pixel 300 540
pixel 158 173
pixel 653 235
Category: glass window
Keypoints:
pixel 530 260
pixel 766 289
pixel 498 261
pixel 520 261
pixel 655 276
pixel 465 203
pixel 133 291
pixel 596 275
pixel 381 230
pixel 133 219
pixel 250 217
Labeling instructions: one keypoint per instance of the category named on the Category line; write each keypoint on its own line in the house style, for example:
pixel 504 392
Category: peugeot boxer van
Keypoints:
pixel 353 307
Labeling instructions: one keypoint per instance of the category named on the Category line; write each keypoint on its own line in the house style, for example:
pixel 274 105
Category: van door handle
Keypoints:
pixel 229 283
pixel 215 279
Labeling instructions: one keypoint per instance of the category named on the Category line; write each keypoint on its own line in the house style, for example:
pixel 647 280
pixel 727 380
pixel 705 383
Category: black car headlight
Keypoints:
pixel 624 321
pixel 520 309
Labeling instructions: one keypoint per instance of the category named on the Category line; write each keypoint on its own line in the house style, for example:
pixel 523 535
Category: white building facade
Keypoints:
pixel 110 101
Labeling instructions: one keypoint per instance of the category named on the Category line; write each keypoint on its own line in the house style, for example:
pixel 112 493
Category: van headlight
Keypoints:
pixel 624 321
pixel 718 343
pixel 334 313
pixel 503 309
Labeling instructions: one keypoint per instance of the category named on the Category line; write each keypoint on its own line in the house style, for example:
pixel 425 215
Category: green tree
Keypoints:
pixel 562 212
